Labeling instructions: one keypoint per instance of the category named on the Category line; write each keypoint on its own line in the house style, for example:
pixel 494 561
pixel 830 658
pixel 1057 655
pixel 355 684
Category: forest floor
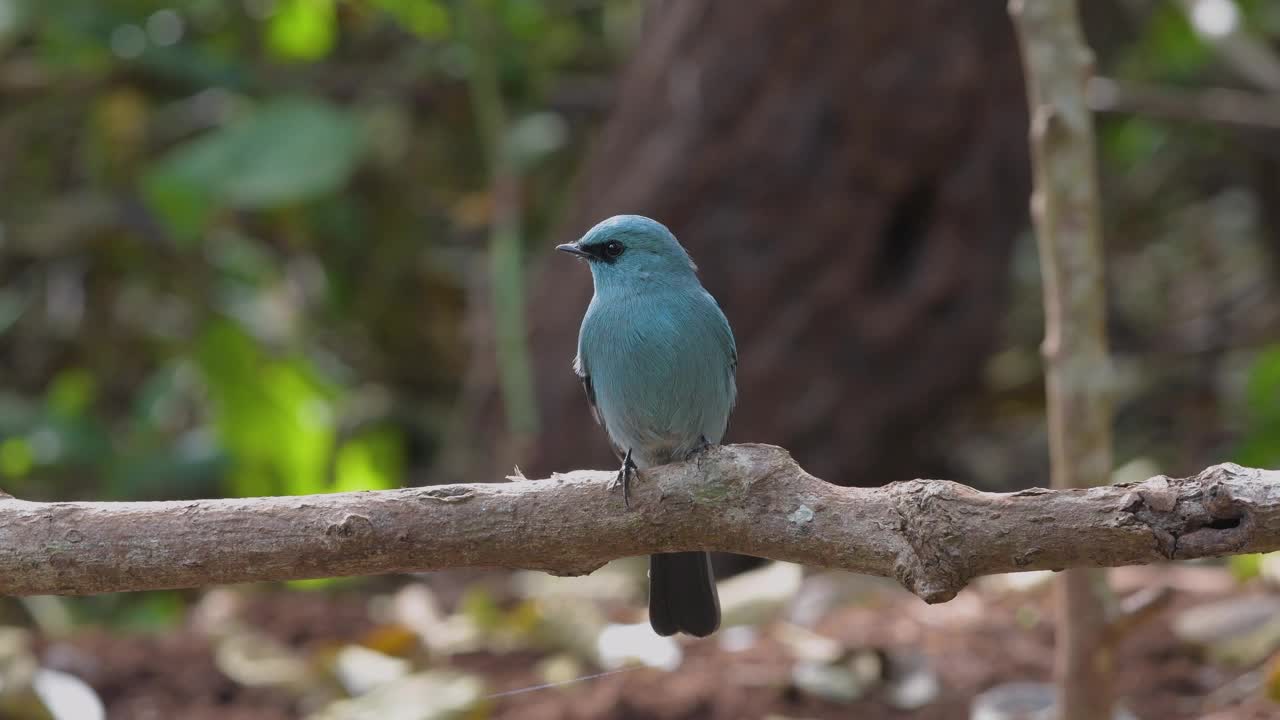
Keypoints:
pixel 925 662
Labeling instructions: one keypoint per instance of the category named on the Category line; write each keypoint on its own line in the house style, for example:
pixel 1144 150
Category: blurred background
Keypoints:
pixel 260 247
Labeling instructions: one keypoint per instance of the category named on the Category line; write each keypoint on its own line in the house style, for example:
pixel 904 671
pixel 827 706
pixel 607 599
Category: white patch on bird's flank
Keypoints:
pixel 802 516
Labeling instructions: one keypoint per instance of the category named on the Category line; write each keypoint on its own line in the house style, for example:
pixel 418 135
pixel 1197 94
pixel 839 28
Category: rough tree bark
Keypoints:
pixel 933 535
pixel 844 173
pixel 1065 209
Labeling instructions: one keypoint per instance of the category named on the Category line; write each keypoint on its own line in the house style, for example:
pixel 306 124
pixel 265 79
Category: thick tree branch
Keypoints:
pixel 933 535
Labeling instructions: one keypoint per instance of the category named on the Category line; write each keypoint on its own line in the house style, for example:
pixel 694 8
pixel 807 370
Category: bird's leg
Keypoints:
pixel 624 479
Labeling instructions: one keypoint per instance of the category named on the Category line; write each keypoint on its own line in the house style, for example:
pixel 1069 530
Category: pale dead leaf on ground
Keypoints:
pixel 432 695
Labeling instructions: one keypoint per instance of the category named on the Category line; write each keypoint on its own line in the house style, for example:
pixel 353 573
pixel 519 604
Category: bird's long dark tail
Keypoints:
pixel 682 594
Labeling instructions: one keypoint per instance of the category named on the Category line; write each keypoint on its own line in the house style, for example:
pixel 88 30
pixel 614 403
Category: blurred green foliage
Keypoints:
pixel 1187 241
pixel 1261 444
pixel 236 238
pixel 253 163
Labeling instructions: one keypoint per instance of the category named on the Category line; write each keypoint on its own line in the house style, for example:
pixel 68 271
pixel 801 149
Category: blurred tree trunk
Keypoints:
pixel 849 177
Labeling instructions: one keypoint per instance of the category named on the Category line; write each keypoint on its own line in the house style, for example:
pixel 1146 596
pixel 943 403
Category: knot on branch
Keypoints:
pixel 934 563
pixel 1195 517
pixel 350 526
pixel 447 493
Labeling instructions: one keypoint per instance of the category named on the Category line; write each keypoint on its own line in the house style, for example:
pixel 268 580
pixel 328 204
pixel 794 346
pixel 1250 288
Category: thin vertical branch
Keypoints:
pixel 1064 205
pixel 506 269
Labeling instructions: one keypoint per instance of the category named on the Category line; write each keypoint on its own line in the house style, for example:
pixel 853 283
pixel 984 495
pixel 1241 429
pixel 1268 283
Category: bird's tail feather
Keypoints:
pixel 682 594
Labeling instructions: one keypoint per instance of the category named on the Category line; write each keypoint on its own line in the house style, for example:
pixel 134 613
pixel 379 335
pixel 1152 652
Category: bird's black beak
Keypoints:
pixel 573 249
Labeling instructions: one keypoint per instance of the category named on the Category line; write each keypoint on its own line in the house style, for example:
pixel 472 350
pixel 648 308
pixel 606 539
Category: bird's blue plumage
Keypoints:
pixel 658 360
pixel 661 362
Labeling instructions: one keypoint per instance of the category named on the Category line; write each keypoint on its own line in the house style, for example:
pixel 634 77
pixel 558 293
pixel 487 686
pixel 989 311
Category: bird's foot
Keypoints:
pixel 624 479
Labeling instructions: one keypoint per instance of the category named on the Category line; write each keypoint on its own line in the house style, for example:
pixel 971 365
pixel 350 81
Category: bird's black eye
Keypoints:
pixel 613 249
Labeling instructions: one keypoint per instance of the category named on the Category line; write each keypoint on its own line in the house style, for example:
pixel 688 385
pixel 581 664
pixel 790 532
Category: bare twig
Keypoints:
pixel 506 270
pixel 1218 106
pixel 933 535
pixel 1065 204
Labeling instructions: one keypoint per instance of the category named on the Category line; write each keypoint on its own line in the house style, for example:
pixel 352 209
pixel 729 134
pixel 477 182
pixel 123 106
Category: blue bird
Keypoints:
pixel 658 362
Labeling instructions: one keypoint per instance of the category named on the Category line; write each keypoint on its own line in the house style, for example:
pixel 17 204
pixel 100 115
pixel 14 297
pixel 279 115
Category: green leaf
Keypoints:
pixel 327 583
pixel 525 19
pixel 16 457
pixel 303 29
pixel 71 393
pixel 424 18
pixel 1261 445
pixel 287 151
pixel 1245 567
pixel 482 608
pixel 372 461
pixel 274 416
pixel 1263 388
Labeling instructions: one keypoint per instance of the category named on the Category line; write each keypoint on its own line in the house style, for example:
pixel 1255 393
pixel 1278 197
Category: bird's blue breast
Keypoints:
pixel 661 363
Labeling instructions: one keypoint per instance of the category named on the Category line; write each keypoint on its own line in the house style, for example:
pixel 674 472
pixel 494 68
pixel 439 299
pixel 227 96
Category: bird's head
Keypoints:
pixel 632 248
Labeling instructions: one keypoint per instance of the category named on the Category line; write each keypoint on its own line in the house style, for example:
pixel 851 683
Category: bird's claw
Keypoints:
pixel 624 479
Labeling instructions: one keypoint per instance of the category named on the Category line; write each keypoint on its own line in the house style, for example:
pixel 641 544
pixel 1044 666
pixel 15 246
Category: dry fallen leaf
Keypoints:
pixel 433 695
